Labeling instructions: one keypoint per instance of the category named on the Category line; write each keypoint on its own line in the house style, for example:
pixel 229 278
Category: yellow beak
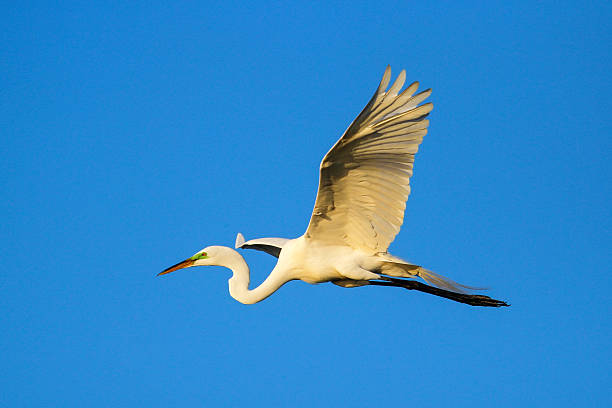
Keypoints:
pixel 183 264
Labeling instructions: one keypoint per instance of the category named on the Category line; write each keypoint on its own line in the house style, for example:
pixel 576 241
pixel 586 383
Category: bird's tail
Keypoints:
pixel 444 282
pixel 402 269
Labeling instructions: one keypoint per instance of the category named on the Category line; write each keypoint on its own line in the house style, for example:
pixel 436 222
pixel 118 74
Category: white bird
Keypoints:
pixel 363 187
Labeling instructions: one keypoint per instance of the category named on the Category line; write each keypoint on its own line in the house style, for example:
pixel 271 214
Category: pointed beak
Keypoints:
pixel 183 264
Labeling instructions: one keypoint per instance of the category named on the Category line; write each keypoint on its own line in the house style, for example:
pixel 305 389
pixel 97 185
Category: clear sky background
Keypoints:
pixel 136 133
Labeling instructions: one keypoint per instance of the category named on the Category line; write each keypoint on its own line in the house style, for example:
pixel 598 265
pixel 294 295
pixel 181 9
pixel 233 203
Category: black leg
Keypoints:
pixel 474 300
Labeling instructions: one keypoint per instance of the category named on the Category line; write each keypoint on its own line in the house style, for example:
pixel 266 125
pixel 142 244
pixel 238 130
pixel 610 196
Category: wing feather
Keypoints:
pixel 365 177
pixel 272 246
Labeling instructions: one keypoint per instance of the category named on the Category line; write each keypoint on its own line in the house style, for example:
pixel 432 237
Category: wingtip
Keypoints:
pixel 398 83
pixel 384 82
pixel 427 107
pixel 239 240
pixel 402 74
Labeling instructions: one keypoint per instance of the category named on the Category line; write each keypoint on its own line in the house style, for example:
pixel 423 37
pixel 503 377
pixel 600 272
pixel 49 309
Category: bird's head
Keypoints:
pixel 206 256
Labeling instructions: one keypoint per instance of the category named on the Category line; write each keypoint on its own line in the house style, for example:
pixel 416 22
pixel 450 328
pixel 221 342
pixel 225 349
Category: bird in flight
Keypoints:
pixel 364 183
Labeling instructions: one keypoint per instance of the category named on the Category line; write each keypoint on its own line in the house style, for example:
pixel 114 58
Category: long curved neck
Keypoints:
pixel 239 282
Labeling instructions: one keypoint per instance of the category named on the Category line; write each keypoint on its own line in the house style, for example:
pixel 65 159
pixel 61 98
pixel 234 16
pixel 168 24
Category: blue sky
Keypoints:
pixel 136 133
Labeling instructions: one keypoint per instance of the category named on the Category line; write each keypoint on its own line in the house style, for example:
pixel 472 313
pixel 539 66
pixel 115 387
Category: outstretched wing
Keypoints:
pixel 365 178
pixel 272 246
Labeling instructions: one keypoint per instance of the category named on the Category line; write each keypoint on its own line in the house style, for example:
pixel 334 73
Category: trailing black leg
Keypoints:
pixel 474 300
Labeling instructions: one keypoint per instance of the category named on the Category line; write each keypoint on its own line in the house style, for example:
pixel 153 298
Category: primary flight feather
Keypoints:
pixel 364 183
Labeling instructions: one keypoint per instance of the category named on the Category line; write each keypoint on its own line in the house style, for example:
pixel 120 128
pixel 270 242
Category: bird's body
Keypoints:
pixel 363 187
pixel 313 261
pixel 300 259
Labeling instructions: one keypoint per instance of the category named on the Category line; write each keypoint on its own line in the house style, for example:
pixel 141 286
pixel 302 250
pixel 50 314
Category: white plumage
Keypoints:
pixel 363 187
pixel 365 178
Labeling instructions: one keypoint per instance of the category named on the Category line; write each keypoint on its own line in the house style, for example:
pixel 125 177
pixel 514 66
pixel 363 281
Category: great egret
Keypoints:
pixel 363 188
